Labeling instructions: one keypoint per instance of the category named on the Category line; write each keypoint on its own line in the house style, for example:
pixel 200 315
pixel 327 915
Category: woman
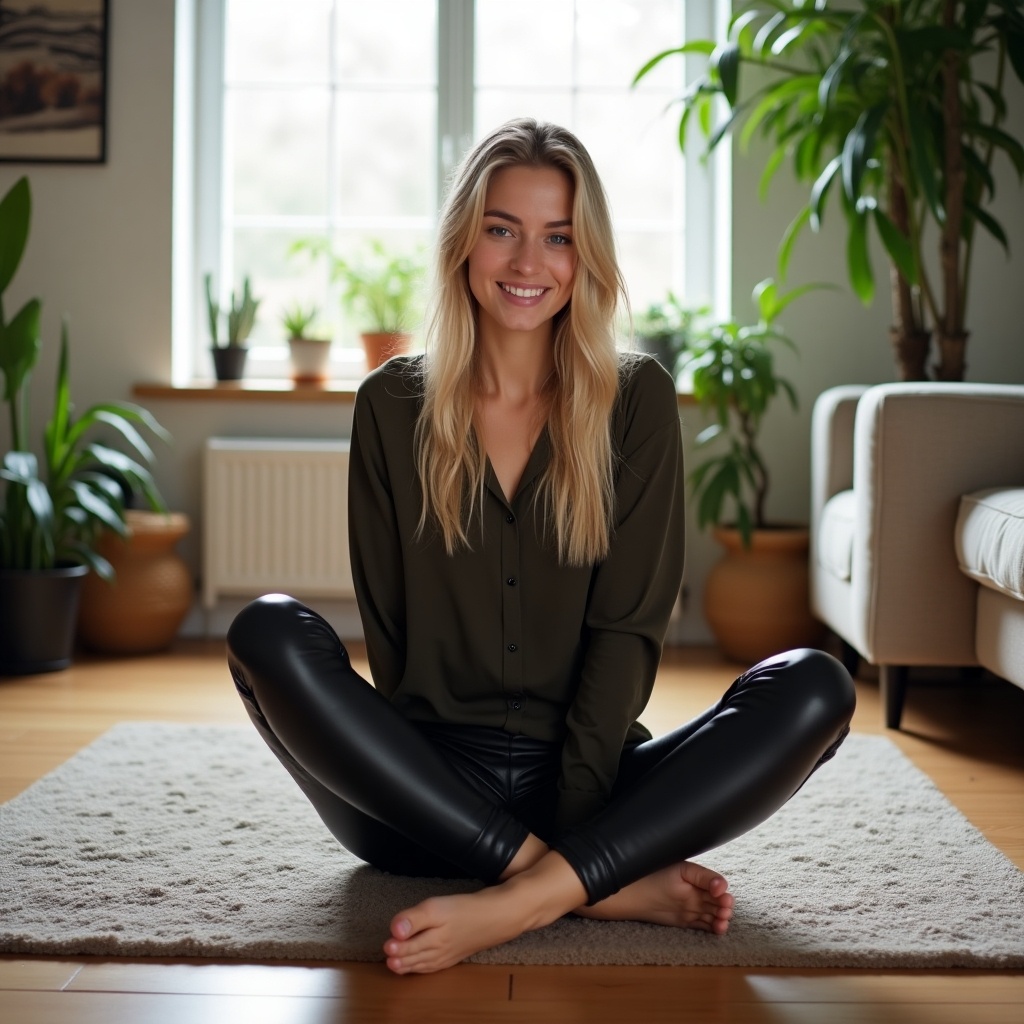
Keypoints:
pixel 516 529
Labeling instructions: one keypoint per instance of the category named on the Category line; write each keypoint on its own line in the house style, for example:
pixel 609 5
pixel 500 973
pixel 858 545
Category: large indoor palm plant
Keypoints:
pixel 54 509
pixel 891 108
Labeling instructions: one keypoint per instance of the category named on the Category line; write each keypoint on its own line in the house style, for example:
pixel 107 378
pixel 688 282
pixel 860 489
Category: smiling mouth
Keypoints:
pixel 522 293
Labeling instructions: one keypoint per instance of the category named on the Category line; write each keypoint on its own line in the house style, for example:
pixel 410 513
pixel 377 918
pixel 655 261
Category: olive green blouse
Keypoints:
pixel 502 634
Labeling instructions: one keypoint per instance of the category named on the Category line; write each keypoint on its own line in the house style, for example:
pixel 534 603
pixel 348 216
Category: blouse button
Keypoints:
pixel 511 581
pixel 510 518
pixel 513 648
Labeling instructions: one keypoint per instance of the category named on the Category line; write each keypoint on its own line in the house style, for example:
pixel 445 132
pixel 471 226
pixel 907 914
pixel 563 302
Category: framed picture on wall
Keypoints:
pixel 53 81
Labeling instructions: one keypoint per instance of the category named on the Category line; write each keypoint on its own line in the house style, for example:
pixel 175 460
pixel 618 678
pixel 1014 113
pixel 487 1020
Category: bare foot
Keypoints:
pixel 443 930
pixel 684 895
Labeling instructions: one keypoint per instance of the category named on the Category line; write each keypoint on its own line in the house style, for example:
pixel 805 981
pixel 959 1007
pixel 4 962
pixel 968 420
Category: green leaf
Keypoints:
pixel 859 148
pixel 989 223
pixel 789 238
pixel 77 551
pixel 1015 51
pixel 819 191
pixel 19 347
pixel 97 506
pixel 726 62
pixel 771 166
pixel 60 418
pixel 1013 149
pixel 857 261
pixel 830 81
pixel 764 34
pixel 703 46
pixel 897 245
pixel 707 435
pixel 925 165
pixel 743 522
pixel 15 215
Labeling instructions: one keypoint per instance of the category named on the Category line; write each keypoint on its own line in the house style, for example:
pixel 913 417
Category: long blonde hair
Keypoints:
pixel 575 494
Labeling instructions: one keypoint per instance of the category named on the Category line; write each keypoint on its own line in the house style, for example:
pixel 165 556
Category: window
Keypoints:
pixel 341 119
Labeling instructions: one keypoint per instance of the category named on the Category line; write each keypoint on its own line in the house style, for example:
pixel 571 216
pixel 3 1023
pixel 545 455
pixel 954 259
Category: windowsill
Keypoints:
pixel 267 390
pixel 256 390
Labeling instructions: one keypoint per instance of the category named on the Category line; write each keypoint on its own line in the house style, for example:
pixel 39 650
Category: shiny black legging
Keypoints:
pixel 458 801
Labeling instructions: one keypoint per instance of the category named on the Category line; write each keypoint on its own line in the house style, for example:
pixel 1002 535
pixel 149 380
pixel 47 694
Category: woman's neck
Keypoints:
pixel 516 367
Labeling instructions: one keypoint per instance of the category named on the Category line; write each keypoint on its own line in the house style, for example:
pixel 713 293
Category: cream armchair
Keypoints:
pixel 889 465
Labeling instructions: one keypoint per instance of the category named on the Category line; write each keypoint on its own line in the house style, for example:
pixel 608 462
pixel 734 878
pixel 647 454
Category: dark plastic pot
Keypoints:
pixel 229 361
pixel 38 613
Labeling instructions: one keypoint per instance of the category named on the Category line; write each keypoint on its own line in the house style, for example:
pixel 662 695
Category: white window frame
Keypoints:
pixel 199 191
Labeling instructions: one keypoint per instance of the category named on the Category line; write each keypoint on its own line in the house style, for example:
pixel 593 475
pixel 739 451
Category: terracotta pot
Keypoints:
pixel 381 347
pixel 757 599
pixel 143 608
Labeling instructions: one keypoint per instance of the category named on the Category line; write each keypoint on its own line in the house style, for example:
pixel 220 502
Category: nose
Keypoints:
pixel 526 258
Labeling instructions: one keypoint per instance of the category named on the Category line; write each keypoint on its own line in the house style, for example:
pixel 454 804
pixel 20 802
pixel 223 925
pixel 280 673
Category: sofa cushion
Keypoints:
pixel 835 535
pixel 990 538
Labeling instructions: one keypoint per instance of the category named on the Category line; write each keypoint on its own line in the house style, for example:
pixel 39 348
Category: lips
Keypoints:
pixel 521 293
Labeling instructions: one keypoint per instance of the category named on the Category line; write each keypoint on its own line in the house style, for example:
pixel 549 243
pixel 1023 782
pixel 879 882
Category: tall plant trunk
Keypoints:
pixel 952 356
pixel 952 339
pixel 910 340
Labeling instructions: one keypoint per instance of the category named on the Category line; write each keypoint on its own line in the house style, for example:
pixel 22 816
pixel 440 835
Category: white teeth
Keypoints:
pixel 523 293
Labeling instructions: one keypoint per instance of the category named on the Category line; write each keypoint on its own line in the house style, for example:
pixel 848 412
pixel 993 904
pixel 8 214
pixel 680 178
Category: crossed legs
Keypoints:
pixel 391 798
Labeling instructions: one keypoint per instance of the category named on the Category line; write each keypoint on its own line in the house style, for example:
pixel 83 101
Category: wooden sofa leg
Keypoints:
pixel 849 656
pixel 893 682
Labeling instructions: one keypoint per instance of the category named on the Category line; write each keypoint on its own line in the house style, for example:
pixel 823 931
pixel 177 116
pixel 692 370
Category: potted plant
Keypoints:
pixel 240 317
pixel 52 514
pixel 380 290
pixel 756 598
pixel 894 109
pixel 308 350
pixel 663 330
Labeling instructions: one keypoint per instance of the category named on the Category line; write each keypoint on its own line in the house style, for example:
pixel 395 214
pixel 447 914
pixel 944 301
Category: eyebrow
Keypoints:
pixel 516 220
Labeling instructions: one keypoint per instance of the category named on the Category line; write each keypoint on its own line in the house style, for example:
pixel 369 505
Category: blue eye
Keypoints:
pixel 499 230
pixel 561 240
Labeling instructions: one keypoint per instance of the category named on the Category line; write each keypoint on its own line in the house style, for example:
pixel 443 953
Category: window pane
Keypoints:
pixel 527 43
pixel 386 154
pixel 646 260
pixel 637 157
pixel 496 106
pixel 617 37
pixel 277 151
pixel 387 41
pixel 279 280
pixel 267 40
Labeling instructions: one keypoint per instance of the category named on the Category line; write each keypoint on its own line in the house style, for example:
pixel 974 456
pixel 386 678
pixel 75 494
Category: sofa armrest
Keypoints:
pixel 832 447
pixel 917 449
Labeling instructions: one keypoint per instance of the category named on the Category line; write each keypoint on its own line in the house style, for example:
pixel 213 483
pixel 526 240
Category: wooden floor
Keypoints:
pixel 969 738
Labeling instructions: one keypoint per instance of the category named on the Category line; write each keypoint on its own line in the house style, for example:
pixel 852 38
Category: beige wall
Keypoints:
pixel 100 250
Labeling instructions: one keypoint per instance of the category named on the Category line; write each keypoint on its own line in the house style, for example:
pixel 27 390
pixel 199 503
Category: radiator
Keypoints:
pixel 275 518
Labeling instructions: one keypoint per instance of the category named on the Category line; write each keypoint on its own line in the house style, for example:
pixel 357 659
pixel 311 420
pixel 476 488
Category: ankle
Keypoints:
pixel 548 890
pixel 532 850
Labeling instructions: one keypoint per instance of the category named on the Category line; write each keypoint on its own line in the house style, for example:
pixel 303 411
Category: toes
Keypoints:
pixel 415 920
pixel 704 878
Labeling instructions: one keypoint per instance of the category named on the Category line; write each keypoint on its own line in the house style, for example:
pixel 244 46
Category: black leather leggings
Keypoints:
pixel 458 801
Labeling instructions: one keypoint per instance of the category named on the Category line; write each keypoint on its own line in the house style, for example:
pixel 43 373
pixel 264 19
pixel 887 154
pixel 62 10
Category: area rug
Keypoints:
pixel 178 840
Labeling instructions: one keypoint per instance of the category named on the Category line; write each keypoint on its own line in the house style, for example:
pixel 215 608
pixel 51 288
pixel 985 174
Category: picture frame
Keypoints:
pixel 53 81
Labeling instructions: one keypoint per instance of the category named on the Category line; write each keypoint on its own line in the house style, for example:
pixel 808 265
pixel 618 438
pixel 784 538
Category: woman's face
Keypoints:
pixel 522 267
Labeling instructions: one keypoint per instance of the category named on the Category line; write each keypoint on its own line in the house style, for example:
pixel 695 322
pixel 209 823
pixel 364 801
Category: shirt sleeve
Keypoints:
pixel 632 595
pixel 375 549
